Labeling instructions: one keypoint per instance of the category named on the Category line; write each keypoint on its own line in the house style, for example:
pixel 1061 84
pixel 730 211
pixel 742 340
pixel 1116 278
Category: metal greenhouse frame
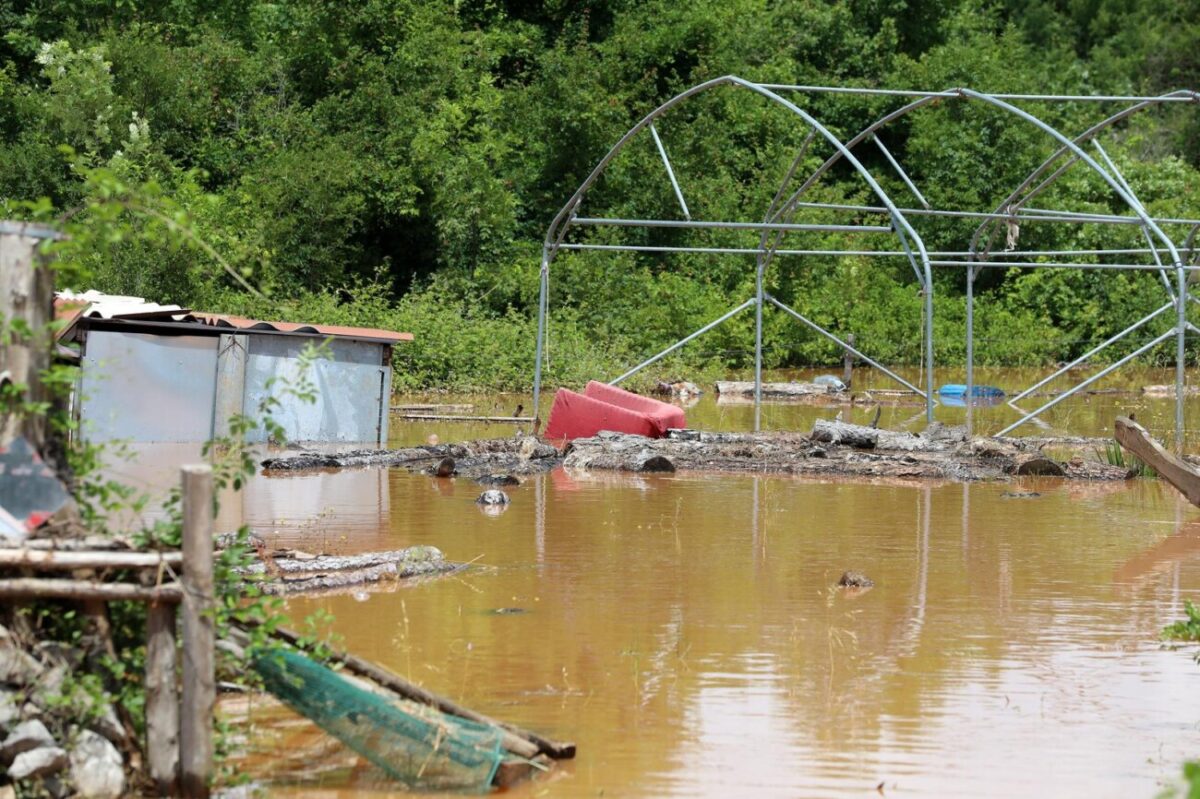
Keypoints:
pixel 1162 254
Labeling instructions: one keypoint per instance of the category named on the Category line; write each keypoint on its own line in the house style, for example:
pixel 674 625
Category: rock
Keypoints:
pixel 10 711
pixel 532 449
pixel 24 737
pixel 445 468
pixel 423 552
pixel 499 480
pixel 109 725
pixel 37 763
pixel 56 786
pixel 853 579
pixel 493 496
pixel 17 666
pixel 97 770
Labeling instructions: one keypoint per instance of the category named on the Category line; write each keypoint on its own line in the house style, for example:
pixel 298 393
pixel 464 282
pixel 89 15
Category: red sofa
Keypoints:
pixel 605 407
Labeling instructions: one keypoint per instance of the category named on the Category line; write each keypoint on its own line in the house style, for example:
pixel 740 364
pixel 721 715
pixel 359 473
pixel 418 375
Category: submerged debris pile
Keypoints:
pixel 835 448
pixel 484 460
pixel 832 448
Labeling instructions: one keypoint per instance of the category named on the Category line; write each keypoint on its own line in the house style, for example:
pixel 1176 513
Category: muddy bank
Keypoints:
pixel 832 448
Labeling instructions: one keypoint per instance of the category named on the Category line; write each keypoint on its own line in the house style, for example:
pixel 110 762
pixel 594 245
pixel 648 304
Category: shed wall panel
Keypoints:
pixel 143 387
pixel 349 389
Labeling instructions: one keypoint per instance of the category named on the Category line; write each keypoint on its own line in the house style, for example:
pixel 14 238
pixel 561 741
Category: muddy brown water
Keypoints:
pixel 685 630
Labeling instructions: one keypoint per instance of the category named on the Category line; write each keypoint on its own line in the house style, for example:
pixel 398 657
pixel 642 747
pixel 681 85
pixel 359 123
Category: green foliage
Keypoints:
pixel 1186 630
pixel 397 163
pixel 1114 455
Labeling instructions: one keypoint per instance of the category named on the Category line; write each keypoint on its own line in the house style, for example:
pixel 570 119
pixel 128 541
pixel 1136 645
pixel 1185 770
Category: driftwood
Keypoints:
pixel 51 560
pixel 853 435
pixel 775 390
pixel 37 588
pixel 323 572
pixel 1176 471
pixel 1169 391
pixel 474 459
pixel 517 740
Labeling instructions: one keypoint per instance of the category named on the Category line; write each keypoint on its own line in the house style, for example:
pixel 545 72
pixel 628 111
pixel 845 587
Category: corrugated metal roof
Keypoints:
pixel 242 323
pixel 95 305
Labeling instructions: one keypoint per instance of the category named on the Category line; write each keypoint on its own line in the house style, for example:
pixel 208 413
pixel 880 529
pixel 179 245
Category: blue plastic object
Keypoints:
pixel 959 390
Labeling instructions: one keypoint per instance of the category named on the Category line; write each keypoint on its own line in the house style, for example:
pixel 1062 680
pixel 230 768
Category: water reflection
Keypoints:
pixel 686 631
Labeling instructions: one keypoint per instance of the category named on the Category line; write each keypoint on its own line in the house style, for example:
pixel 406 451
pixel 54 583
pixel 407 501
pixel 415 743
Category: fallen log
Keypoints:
pixel 1176 471
pixel 1169 391
pixel 324 563
pixel 859 437
pixel 746 388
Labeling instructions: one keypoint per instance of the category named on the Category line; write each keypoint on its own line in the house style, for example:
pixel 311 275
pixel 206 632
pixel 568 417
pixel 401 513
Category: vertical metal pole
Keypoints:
pixel 848 361
pixel 543 280
pixel 758 337
pixel 929 352
pixel 1180 351
pixel 199 668
pixel 970 346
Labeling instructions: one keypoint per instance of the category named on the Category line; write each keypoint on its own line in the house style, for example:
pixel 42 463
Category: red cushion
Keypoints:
pixel 664 414
pixel 576 416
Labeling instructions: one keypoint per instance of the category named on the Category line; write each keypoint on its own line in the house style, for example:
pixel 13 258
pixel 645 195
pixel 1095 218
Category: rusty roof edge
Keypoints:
pixel 209 328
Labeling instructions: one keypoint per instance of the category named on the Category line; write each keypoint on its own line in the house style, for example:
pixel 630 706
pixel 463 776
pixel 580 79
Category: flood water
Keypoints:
pixel 685 630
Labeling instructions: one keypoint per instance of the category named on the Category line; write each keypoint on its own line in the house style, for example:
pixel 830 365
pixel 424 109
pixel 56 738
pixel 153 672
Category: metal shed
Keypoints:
pixel 165 374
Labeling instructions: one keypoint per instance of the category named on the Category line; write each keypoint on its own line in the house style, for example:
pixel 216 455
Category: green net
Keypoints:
pixel 413 743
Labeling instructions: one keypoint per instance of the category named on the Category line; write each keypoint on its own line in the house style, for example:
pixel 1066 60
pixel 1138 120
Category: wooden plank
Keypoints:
pixel 162 701
pixel 1176 471
pixel 51 560
pixel 199 669
pixel 39 588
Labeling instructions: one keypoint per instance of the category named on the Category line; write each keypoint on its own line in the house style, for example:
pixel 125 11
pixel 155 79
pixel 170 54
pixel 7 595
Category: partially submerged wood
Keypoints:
pixel 1169 391
pixel 858 436
pixel 776 390
pixel 1176 471
pixel 295 572
pixel 939 453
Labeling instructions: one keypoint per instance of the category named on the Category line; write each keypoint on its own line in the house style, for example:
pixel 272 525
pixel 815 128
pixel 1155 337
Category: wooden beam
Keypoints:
pixel 51 560
pixel 1176 471
pixel 199 638
pixel 38 588
pixel 453 417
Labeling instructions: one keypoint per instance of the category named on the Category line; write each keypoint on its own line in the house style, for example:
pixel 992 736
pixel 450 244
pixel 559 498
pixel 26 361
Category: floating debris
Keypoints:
pixel 853 579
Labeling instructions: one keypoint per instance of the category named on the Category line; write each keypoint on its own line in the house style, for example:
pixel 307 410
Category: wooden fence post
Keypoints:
pixel 199 668
pixel 26 301
pixel 162 700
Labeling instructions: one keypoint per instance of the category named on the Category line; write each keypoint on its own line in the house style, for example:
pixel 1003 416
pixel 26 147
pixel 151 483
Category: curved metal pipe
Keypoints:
pixel 561 222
